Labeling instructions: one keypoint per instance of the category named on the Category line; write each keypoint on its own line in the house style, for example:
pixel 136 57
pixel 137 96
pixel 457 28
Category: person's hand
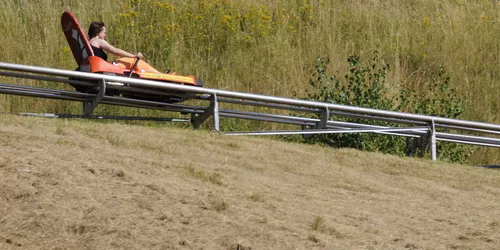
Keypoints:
pixel 140 56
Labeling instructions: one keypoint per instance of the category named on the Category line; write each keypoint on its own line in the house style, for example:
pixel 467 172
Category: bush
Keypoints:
pixel 364 86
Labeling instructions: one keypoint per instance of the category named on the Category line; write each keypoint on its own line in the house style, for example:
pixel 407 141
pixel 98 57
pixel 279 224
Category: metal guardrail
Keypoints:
pixel 420 126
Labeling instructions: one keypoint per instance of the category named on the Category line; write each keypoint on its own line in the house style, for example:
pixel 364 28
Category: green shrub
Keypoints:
pixel 364 86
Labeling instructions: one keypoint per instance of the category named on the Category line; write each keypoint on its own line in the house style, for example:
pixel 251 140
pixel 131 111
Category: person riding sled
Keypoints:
pixel 97 39
pixel 91 56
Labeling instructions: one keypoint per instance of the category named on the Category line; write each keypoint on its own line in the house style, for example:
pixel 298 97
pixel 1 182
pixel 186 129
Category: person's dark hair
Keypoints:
pixel 94 28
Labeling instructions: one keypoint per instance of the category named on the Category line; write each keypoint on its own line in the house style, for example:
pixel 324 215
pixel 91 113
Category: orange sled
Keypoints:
pixel 88 62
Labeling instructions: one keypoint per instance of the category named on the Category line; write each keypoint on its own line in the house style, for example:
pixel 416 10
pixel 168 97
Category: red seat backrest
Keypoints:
pixel 78 42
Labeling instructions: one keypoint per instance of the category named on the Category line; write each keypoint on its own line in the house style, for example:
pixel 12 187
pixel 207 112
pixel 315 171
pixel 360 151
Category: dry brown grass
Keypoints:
pixel 80 185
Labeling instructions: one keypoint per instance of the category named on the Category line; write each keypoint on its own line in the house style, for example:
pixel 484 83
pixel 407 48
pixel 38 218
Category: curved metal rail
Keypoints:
pixel 405 124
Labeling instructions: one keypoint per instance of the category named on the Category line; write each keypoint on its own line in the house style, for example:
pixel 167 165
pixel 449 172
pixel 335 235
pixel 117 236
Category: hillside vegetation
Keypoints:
pixel 270 47
pixel 83 185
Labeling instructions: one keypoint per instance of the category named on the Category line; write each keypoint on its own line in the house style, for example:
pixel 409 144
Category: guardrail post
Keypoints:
pixel 433 141
pixel 325 114
pixel 215 110
pixel 89 106
pixel 212 110
pixel 323 122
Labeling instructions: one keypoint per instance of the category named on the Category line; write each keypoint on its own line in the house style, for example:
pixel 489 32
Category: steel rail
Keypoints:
pixel 327 131
pixel 346 125
pixel 153 104
pixel 463 124
pixel 299 121
pixel 155 92
pixel 89 84
pixel 106 117
pixel 272 117
pixel 43 90
pixel 36 90
pixel 471 143
pixel 110 100
pixel 302 121
pixel 470 129
pixel 262 118
pixel 315 120
pixel 317 111
pixel 338 124
pixel 61 94
pixel 45 78
pixel 469 138
pixel 268 105
pixel 40 95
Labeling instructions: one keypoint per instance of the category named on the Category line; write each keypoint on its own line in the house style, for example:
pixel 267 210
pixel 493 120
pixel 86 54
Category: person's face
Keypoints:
pixel 102 34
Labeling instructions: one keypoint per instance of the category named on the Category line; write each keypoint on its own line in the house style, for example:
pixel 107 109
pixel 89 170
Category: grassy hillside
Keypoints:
pixel 269 47
pixel 82 185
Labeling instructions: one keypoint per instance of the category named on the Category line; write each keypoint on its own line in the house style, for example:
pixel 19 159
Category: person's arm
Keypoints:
pixel 118 52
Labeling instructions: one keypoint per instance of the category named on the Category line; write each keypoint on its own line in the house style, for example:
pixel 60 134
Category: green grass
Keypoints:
pixel 213 178
pixel 317 223
pixel 269 47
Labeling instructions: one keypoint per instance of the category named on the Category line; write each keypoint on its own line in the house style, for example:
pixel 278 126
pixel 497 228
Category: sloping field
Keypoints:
pixel 83 185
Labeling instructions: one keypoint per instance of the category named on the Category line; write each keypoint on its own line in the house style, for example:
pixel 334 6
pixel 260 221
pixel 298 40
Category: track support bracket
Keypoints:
pixel 321 124
pixel 212 110
pixel 89 106
pixel 432 138
pixel 325 114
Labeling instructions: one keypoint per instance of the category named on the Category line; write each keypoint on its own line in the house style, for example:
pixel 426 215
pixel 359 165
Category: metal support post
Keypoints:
pixel 212 110
pixel 321 124
pixel 324 119
pixel 89 106
pixel 433 141
pixel 215 110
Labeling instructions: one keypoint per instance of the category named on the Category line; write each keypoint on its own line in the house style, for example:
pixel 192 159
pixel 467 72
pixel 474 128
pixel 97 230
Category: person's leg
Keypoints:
pixel 127 63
